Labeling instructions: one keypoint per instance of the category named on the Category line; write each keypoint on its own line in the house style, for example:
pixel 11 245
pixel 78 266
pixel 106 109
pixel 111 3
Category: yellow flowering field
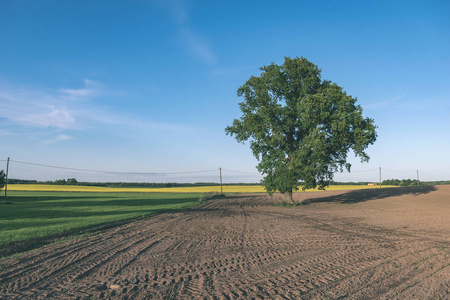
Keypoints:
pixel 196 189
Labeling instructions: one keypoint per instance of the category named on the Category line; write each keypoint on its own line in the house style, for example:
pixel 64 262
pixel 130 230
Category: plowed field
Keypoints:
pixel 364 244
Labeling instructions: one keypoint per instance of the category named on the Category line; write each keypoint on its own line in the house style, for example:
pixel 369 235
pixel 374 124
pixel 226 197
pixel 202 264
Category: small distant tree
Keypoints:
pixel 60 182
pixel 72 181
pixel 300 127
pixel 2 179
pixel 405 182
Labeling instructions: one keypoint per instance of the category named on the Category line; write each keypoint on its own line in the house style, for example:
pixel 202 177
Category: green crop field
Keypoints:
pixel 41 214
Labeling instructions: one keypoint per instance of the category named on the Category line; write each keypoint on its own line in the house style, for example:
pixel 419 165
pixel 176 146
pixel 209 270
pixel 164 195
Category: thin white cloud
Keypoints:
pixel 4 132
pixel 56 111
pixel 57 117
pixel 59 138
pixel 178 10
pixel 91 88
pixel 133 124
pixel 44 108
pixel 197 45
pixel 189 39
pixel 383 104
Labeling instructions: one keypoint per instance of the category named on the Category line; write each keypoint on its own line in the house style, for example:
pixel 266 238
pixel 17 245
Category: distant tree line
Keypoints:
pixel 69 181
pixel 349 183
pixel 412 182
pixel 73 181
pixel 439 182
pixel 398 182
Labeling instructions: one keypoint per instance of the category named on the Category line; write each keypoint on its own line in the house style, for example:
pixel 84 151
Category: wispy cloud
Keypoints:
pixel 4 132
pixel 189 39
pixel 58 138
pixel 197 45
pixel 45 108
pixel 57 117
pixel 384 103
pixel 91 89
pixel 133 124
pixel 178 10
pixel 54 113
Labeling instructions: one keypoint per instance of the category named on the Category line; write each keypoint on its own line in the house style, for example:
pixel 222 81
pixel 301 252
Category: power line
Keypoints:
pixel 240 172
pixel 364 171
pixel 112 172
pixel 150 173
pixel 175 173
pixel 401 171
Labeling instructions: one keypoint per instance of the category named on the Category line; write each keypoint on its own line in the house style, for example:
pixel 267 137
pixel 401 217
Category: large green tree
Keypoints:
pixel 300 127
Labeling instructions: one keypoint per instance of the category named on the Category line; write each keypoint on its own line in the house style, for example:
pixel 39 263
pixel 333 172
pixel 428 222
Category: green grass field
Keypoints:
pixel 41 214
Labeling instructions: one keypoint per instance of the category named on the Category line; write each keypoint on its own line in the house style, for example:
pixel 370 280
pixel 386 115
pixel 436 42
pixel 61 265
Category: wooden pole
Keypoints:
pixel 418 181
pixel 6 181
pixel 380 177
pixel 220 170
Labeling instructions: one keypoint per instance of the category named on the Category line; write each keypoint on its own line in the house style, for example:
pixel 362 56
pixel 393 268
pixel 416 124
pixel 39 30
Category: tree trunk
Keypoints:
pixel 288 197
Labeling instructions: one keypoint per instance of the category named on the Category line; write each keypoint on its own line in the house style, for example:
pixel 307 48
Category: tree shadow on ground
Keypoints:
pixel 356 196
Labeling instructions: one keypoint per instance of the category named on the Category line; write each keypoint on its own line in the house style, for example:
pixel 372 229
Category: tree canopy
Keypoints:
pixel 300 127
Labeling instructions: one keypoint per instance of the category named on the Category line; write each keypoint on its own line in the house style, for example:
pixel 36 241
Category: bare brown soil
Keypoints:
pixel 365 244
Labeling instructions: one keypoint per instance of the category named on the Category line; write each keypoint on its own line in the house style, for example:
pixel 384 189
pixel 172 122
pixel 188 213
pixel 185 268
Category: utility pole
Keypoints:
pixel 6 181
pixel 418 181
pixel 220 170
pixel 380 177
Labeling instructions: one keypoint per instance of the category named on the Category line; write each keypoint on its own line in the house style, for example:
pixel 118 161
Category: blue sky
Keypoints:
pixel 149 86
